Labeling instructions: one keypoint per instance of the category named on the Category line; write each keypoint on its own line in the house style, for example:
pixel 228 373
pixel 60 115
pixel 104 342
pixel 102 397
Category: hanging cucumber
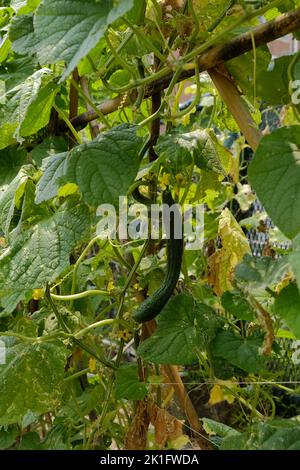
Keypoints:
pixel 154 304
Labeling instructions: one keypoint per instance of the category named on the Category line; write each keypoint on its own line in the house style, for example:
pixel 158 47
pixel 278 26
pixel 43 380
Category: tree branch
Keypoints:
pixel 262 34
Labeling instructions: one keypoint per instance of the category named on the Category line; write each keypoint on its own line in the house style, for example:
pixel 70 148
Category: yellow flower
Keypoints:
pixel 92 364
pixel 137 287
pixel 110 286
pixel 165 180
pixel 38 294
pixel 124 334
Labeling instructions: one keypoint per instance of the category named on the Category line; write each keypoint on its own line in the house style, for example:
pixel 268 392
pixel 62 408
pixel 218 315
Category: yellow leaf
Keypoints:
pixel 67 190
pixel 216 395
pixel 179 443
pixel 224 261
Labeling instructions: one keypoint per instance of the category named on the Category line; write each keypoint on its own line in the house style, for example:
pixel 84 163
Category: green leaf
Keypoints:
pixel 42 253
pixel 128 385
pixel 105 168
pixel 184 325
pixel 16 71
pixel 11 161
pixel 175 150
pixel 24 6
pixel 243 353
pixel 259 273
pixel 275 175
pixel 8 437
pixel 48 185
pixel 242 69
pixel 31 378
pixel 49 146
pixel 27 108
pixel 236 305
pixel 287 306
pixel 200 146
pixel 67 30
pixel 21 34
pixel 216 428
pixel 4 48
pixel 273 84
pixel 12 194
pixel 276 434
pixel 294 259
pixel 38 112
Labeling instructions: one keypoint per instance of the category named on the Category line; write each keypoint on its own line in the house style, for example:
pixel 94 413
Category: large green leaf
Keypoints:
pixel 42 253
pixel 243 353
pixel 67 30
pixel 105 168
pixel 184 326
pixel 31 379
pixel 27 107
pixel 287 306
pixel 128 385
pixel 275 175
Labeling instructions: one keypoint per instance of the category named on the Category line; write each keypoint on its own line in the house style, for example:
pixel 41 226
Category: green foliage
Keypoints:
pixel 287 306
pixel 41 254
pixel 242 353
pixel 128 385
pixel 38 370
pixel 77 130
pixel 275 174
pixel 273 435
pixel 63 30
pixel 177 342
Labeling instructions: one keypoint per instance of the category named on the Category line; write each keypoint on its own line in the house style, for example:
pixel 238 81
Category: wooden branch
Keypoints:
pixel 237 107
pixel 262 34
pixel 183 398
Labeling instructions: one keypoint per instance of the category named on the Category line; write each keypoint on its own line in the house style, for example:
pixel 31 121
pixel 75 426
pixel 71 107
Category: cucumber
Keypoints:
pixel 154 304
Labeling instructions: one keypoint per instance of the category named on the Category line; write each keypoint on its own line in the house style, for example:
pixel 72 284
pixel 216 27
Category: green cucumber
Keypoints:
pixel 154 304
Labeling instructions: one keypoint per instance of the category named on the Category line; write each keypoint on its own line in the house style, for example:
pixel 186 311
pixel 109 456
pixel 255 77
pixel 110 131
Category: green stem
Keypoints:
pixel 78 262
pixel 77 374
pixel 81 295
pixel 130 278
pixel 65 118
pixel 98 324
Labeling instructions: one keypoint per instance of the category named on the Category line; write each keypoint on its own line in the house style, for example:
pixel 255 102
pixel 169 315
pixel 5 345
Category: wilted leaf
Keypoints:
pixel 234 246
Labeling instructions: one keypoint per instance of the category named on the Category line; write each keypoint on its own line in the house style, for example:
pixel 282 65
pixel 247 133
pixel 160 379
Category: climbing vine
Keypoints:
pixel 110 339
